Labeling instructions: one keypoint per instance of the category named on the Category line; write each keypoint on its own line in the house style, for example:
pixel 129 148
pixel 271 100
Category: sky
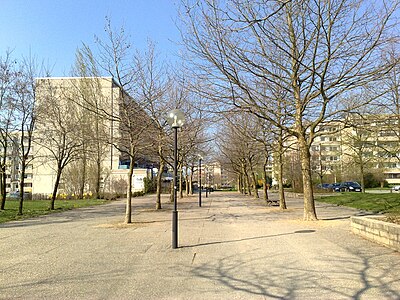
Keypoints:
pixel 52 30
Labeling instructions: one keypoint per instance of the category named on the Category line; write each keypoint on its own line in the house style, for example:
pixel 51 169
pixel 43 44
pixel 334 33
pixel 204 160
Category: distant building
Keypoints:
pixel 212 175
pixel 371 141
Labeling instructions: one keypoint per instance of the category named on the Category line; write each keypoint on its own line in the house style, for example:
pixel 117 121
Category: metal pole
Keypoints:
pixel 199 182
pixel 206 181
pixel 175 211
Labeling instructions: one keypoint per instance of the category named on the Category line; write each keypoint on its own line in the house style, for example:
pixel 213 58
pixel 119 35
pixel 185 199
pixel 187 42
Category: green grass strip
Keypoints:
pixel 34 208
pixel 377 203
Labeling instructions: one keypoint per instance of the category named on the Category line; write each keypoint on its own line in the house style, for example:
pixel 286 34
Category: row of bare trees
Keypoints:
pixel 76 127
pixel 17 119
pixel 293 64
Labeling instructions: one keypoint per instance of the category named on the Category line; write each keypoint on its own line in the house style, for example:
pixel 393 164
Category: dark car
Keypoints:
pixel 324 186
pixel 348 186
pixel 336 186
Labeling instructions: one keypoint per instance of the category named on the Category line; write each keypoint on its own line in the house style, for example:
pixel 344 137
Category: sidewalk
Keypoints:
pixel 233 247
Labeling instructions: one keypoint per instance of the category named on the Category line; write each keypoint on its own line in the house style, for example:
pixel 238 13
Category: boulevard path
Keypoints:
pixel 233 247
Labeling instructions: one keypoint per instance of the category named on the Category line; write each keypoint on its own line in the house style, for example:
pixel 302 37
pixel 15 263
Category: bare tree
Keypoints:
pixel 25 110
pixel 57 136
pixel 116 59
pixel 317 51
pixel 8 75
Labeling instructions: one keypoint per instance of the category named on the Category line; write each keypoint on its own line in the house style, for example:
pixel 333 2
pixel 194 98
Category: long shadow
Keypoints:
pixel 248 239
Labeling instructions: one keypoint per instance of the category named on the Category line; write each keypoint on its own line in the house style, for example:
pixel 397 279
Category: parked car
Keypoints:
pixel 335 186
pixel 15 195
pixel 324 186
pixel 396 188
pixel 348 186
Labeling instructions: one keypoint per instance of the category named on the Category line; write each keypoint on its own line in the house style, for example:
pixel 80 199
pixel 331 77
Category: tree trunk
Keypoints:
pixel 171 195
pixel 98 157
pixel 128 210
pixel 309 204
pixel 159 182
pixel 55 189
pixel 21 187
pixel 98 178
pixel 187 184
pixel 83 177
pixel 254 179
pixel 362 176
pixel 191 180
pixel 3 187
pixel 247 181
pixel 265 177
pixel 180 182
pixel 281 191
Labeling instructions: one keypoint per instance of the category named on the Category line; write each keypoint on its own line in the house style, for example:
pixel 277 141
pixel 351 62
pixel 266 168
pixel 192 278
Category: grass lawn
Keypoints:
pixel 33 208
pixel 377 203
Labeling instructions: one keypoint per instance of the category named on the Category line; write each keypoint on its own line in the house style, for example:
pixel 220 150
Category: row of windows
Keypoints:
pixel 328 129
pixel 27 185
pixel 328 138
pixel 329 158
pixel 392 176
pixel 27 175
pixel 324 148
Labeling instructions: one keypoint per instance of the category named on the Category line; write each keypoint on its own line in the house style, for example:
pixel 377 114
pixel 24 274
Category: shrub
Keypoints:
pixel 150 186
pixel 138 194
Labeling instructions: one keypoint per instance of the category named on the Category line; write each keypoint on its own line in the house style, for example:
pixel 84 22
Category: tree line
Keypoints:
pixel 268 72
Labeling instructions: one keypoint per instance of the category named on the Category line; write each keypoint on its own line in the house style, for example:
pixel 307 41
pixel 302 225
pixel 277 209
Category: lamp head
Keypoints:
pixel 176 118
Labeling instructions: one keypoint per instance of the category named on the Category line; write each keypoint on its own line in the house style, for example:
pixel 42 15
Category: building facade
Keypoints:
pixel 80 115
pixel 13 165
pixel 342 148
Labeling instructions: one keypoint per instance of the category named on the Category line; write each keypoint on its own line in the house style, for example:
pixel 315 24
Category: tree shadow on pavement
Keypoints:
pixel 354 275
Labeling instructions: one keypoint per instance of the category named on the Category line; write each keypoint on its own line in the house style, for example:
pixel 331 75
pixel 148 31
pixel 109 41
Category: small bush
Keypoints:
pixel 138 194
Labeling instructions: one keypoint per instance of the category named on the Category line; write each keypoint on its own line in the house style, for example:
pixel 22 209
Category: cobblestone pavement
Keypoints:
pixel 233 247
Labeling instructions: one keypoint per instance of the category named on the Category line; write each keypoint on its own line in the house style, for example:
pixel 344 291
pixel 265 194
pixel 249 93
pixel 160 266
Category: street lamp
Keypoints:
pixel 175 119
pixel 200 158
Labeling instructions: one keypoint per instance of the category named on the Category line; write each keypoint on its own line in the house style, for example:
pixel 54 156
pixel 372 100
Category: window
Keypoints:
pixel 393 176
pixel 391 165
pixel 387 133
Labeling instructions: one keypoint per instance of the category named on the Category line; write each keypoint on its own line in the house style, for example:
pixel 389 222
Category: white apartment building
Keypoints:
pixel 77 100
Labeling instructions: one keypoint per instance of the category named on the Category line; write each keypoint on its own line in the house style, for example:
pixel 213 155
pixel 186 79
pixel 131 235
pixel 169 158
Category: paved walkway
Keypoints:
pixel 231 248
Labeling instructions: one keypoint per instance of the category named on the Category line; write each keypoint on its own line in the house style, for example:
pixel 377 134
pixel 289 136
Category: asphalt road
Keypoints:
pixel 233 247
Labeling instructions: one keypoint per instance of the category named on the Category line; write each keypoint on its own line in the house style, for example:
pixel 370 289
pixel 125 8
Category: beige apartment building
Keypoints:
pixel 13 165
pixel 370 141
pixel 84 107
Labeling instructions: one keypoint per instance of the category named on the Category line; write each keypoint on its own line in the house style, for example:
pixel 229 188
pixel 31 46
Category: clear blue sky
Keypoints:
pixel 52 30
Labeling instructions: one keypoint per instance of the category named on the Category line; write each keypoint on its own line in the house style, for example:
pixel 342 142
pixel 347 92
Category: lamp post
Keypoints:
pixel 175 119
pixel 206 181
pixel 200 158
